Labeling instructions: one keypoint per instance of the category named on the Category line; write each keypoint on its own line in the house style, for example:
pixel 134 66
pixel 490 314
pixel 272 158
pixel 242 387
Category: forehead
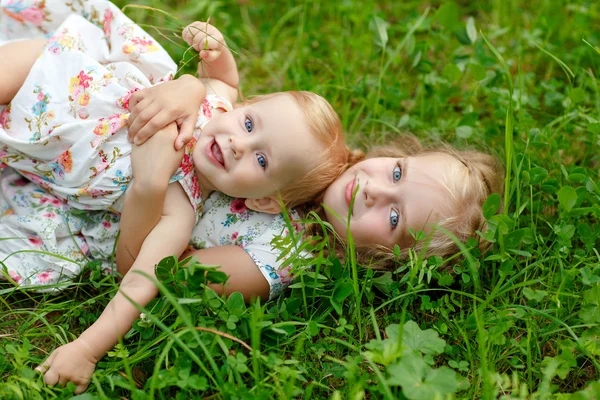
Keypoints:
pixel 292 147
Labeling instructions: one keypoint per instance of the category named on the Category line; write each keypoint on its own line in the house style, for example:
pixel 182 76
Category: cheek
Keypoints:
pixel 368 231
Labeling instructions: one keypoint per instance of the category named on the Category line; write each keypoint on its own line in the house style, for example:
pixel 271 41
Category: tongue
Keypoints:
pixel 217 152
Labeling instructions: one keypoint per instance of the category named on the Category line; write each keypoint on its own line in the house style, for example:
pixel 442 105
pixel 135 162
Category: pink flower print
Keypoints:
pixel 56 202
pixel 14 276
pixel 33 15
pixel 49 215
pixel 187 165
pixel 106 224
pixel 44 276
pixel 83 113
pixel 20 182
pixel 5 117
pixel 84 248
pixel 123 102
pixel 234 235
pixel 35 240
pixel 190 145
pixel 45 200
pixel 206 110
pixel 238 206
pixel 285 275
pixel 108 18
pixel 40 96
pixel 84 80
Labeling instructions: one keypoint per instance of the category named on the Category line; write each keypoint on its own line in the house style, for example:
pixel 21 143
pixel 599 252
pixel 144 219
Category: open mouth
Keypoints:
pixel 215 155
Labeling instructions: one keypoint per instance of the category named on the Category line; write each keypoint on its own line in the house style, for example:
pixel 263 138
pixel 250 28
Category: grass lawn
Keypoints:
pixel 515 78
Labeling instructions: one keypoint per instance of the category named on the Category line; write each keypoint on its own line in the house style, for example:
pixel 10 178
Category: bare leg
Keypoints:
pixel 16 60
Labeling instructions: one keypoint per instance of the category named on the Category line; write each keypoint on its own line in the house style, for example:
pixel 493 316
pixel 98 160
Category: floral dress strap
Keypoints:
pixel 186 173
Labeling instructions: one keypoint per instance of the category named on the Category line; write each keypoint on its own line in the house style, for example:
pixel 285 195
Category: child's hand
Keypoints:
pixel 205 39
pixel 154 162
pixel 73 362
pixel 154 108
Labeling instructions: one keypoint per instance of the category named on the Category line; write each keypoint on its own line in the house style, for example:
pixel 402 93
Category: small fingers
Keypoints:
pixel 186 132
pixel 157 122
pixel 81 388
pixel 144 118
pixel 51 377
pixel 210 55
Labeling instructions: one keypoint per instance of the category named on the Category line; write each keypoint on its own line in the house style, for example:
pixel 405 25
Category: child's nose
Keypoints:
pixel 376 193
pixel 237 146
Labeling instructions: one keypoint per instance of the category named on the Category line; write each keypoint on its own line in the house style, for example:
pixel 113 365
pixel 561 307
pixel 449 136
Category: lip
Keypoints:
pixel 349 191
pixel 211 155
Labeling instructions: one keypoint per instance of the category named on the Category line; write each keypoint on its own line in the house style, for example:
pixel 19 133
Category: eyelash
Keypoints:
pixel 258 157
pixel 246 124
pixel 394 217
pixel 399 169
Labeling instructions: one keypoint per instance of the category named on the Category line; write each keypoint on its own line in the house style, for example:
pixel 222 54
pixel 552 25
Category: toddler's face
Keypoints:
pixel 394 194
pixel 256 150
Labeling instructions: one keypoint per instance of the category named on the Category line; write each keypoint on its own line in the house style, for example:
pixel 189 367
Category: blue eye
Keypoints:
pixel 397 174
pixel 262 161
pixel 248 124
pixel 394 217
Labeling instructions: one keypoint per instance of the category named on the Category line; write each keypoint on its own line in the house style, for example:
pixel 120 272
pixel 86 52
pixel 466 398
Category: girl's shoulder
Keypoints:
pixel 227 221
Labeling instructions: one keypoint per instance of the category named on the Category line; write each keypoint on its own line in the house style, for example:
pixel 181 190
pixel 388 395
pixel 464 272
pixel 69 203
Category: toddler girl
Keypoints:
pixel 65 130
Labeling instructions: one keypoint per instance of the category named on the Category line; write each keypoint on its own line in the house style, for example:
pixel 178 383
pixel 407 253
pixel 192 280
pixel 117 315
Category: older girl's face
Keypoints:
pixel 391 195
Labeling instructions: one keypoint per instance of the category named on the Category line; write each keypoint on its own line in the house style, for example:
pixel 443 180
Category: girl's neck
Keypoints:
pixel 205 186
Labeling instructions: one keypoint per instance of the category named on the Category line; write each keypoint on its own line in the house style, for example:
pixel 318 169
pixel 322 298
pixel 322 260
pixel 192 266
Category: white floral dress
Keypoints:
pixel 45 244
pixel 66 127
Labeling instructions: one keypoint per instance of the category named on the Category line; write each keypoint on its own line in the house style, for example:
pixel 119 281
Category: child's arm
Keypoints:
pixel 219 63
pixel 178 101
pixel 150 195
pixel 16 60
pixel 75 362
pixel 155 107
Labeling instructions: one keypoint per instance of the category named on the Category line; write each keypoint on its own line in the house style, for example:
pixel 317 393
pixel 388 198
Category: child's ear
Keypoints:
pixel 269 205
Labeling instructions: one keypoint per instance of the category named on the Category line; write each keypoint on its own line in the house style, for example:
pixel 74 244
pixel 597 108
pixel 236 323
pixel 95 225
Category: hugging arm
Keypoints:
pixel 217 61
pixel 151 200
pixel 16 60
pixel 179 100
pixel 75 361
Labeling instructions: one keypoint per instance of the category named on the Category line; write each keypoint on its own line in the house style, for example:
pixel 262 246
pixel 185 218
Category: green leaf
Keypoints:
pixel 379 29
pixel 427 341
pixel 478 71
pixel 577 95
pixel 536 295
pixel 164 269
pixel 447 16
pixel 491 205
pixel 567 197
pixel 452 72
pixel 421 382
pixel 342 290
pixel 471 30
pixel 538 174
pixel 590 309
pixel 235 304
pixel 594 127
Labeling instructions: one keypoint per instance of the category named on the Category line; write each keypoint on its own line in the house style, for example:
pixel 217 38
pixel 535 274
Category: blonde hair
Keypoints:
pixel 326 127
pixel 469 184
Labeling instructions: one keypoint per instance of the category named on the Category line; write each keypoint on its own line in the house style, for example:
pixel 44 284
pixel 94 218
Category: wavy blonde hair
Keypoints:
pixel 469 184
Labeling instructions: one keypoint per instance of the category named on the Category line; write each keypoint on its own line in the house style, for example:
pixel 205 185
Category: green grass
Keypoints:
pixel 516 78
